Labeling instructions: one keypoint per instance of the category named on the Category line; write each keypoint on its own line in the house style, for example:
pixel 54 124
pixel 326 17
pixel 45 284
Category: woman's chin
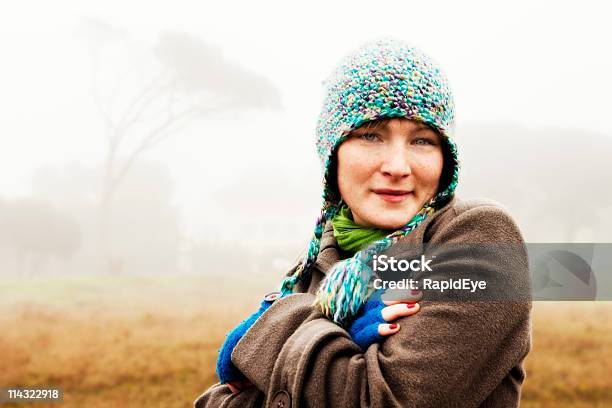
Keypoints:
pixel 390 222
pixel 386 216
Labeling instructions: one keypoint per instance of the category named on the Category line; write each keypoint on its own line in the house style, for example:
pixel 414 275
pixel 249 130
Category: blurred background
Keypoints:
pixel 159 173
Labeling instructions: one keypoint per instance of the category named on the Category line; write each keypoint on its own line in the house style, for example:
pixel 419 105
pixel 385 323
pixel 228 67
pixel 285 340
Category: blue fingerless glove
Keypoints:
pixel 364 329
pixel 226 370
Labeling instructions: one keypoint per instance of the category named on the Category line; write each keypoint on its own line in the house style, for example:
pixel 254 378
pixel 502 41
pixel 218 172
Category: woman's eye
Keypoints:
pixel 423 141
pixel 371 137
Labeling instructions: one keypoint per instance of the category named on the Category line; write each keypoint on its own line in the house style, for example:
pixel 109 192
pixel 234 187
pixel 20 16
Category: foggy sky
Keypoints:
pixel 532 66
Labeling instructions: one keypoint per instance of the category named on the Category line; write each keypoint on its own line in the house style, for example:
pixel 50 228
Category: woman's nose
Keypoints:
pixel 396 164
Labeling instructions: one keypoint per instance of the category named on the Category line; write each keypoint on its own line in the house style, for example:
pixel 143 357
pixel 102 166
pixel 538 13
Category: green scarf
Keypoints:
pixel 352 237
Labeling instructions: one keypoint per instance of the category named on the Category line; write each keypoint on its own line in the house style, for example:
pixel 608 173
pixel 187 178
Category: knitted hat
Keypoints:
pixel 385 78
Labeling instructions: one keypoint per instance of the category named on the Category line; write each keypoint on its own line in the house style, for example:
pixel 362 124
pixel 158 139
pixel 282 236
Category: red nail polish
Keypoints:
pixel 410 305
pixel 393 326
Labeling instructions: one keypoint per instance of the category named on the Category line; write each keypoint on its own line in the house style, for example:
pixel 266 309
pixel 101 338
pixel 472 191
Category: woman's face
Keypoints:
pixel 386 175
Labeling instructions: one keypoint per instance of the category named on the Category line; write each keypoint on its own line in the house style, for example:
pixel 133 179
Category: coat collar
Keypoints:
pixel 329 252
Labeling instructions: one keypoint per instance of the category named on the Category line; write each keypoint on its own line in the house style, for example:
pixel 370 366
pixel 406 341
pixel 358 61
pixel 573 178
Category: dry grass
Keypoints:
pixel 127 342
pixel 571 360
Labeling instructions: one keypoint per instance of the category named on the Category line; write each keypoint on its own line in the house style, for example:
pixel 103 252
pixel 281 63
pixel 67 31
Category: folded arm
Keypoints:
pixel 448 354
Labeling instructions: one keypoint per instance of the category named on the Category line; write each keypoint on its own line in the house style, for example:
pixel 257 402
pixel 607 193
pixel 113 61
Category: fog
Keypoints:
pixel 181 140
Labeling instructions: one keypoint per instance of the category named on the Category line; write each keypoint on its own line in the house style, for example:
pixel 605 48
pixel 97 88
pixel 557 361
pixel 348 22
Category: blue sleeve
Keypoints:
pixel 226 371
pixel 364 329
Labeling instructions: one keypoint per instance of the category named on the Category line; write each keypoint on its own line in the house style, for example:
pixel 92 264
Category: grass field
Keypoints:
pixel 133 342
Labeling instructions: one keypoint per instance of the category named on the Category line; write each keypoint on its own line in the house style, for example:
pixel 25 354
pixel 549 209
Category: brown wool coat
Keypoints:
pixel 449 354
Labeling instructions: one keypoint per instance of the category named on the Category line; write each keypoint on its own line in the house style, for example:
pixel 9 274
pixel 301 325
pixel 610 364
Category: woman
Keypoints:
pixel 390 171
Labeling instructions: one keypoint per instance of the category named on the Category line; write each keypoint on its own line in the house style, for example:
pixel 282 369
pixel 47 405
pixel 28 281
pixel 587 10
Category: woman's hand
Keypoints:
pixel 377 319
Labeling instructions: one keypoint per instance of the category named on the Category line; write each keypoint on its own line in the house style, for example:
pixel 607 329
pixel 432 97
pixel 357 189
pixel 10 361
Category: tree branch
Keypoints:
pixel 147 95
pixel 158 134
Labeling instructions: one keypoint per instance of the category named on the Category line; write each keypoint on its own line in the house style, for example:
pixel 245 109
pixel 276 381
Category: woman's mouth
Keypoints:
pixel 392 195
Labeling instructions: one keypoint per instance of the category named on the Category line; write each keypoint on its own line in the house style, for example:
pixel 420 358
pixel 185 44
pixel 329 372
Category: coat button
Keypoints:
pixel 272 296
pixel 281 400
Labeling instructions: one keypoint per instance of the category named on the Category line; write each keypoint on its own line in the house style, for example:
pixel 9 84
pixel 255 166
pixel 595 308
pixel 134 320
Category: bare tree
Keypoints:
pixel 179 79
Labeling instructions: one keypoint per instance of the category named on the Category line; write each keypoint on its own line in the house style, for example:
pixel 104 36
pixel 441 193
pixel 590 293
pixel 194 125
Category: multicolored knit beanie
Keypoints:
pixel 385 78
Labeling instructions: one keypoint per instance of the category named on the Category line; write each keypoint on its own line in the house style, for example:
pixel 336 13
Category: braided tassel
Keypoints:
pixel 347 285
